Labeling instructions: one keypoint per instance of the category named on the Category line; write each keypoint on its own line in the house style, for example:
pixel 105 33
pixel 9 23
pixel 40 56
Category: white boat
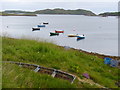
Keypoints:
pixel 81 36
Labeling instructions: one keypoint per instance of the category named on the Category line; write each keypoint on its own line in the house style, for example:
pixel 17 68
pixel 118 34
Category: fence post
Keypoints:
pixel 37 69
pixel 73 79
pixel 54 73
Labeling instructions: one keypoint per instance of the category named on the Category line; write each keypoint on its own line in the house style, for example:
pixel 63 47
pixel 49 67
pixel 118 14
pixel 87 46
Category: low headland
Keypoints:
pixel 50 55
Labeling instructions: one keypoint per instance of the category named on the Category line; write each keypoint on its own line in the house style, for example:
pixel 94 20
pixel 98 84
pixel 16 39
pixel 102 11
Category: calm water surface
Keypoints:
pixel 101 32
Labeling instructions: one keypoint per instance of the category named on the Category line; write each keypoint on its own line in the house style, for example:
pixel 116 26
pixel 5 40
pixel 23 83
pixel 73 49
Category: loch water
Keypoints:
pixel 101 33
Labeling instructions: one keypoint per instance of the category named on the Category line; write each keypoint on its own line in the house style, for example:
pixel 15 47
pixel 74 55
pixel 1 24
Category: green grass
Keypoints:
pixel 0 75
pixel 53 56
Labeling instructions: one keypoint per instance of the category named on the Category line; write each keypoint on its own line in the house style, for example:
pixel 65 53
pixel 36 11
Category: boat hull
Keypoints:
pixel 34 29
pixel 70 35
pixel 45 23
pixel 52 34
pixel 80 37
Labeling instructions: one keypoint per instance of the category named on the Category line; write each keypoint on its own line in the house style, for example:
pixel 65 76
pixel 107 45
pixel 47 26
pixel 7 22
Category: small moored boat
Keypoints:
pixel 59 31
pixel 72 35
pixel 35 28
pixel 41 25
pixel 45 23
pixel 80 37
pixel 53 33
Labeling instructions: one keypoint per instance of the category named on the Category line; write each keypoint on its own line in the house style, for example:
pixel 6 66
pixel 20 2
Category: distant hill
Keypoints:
pixel 51 11
pixel 62 11
pixel 110 14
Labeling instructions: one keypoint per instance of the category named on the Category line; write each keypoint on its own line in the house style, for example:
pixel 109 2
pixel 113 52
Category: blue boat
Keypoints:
pixel 41 25
pixel 79 37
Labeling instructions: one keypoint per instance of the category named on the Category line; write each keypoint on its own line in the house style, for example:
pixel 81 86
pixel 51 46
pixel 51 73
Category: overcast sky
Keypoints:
pixel 97 6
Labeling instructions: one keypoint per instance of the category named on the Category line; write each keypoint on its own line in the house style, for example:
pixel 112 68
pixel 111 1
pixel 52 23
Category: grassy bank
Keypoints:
pixel 52 56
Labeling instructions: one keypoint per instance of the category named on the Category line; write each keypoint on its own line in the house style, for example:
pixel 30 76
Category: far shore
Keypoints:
pixel 18 15
pixel 57 14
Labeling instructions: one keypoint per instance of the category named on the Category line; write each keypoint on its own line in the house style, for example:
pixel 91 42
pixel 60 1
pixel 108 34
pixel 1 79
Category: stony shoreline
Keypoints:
pixel 96 54
pixel 101 55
